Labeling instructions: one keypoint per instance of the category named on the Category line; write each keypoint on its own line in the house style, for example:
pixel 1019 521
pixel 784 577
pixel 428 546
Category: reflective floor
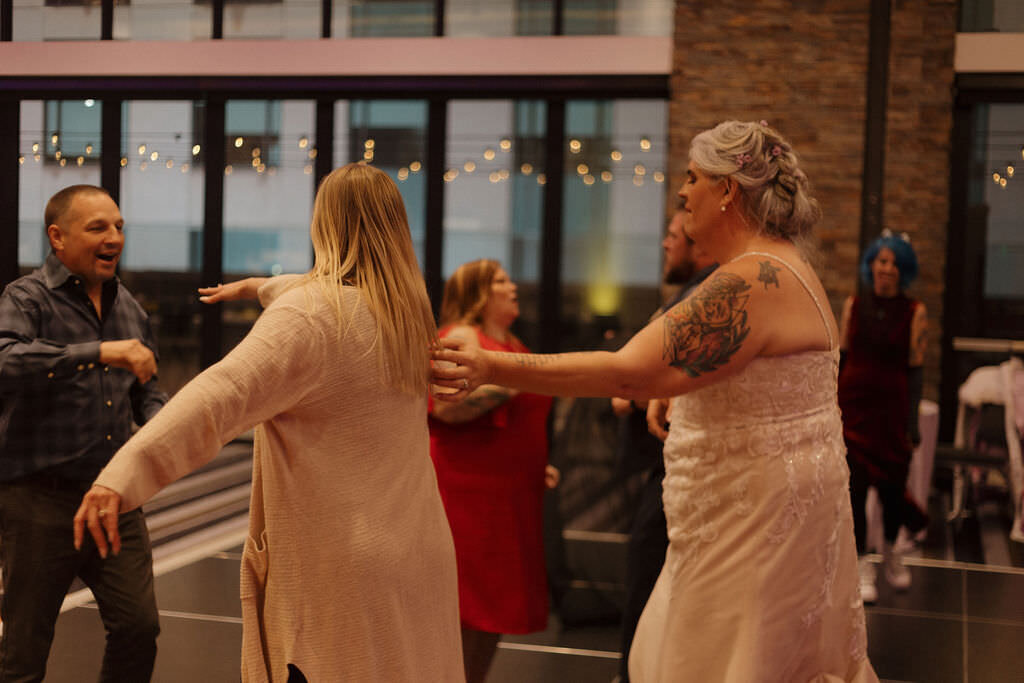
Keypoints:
pixel 962 620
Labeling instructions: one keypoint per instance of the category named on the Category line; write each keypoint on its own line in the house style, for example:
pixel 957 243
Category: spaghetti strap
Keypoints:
pixel 800 278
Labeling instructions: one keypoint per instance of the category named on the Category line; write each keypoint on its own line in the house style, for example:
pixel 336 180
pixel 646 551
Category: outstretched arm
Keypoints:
pixel 479 401
pixel 703 339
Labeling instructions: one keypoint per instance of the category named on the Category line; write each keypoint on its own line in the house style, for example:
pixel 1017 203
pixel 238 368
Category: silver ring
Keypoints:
pixel 465 383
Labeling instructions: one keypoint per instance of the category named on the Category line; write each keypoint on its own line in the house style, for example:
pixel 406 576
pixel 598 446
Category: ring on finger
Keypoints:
pixel 465 383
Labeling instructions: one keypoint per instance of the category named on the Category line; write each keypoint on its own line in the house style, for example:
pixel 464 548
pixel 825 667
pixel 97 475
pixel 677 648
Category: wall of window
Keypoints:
pixel 613 215
pixel 992 15
pixel 162 194
pixel 48 128
pixel 37 20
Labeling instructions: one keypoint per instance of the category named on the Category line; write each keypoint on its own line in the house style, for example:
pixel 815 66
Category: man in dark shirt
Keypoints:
pixel 77 368
pixel 686 266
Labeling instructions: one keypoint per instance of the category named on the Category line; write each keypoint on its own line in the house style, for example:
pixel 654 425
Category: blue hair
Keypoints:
pixel 906 259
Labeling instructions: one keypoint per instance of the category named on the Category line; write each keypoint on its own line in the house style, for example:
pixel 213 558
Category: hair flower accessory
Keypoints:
pixel 776 150
pixel 742 160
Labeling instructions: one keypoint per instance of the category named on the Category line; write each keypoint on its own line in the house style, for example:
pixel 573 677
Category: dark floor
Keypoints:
pixel 962 620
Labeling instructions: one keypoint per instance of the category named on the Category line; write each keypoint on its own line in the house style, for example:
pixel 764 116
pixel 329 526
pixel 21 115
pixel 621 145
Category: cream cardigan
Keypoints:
pixel 349 568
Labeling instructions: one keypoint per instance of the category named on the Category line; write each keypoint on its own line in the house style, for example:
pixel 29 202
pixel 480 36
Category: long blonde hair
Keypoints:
pixel 466 292
pixel 361 238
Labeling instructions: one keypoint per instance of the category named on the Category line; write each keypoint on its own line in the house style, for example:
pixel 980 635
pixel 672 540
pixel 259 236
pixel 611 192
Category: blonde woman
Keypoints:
pixel 760 579
pixel 491 454
pixel 349 570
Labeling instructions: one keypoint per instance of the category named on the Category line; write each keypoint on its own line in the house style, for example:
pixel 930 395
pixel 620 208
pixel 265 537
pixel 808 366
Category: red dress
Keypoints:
pixel 491 475
pixel 873 390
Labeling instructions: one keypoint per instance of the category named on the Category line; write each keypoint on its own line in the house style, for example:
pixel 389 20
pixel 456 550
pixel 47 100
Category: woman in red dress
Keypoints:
pixel 882 340
pixel 490 453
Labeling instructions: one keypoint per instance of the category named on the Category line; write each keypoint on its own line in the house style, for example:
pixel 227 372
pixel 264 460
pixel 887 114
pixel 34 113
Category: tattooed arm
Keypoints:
pixel 481 400
pixel 703 339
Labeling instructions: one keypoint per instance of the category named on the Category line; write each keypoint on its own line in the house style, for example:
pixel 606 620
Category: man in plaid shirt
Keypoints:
pixel 77 368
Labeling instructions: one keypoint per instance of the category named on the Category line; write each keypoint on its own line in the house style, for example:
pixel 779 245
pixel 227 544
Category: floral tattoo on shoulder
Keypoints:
pixel 707 328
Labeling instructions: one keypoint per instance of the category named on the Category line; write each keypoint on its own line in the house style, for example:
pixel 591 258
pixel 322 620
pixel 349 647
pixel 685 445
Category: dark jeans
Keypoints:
pixel 891 497
pixel 645 555
pixel 40 563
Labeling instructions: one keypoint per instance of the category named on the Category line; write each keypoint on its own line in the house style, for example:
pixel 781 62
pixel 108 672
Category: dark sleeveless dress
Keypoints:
pixel 873 387
pixel 491 475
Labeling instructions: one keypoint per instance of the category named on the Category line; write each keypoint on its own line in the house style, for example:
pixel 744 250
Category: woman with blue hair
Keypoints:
pixel 883 335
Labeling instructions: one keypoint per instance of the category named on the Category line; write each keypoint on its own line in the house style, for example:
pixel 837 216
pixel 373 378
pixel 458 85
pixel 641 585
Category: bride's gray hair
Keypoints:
pixel 774 190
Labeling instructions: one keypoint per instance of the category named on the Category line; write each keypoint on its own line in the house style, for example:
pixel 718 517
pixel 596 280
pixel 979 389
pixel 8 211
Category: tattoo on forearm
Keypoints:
pixel 532 360
pixel 704 331
pixel 768 274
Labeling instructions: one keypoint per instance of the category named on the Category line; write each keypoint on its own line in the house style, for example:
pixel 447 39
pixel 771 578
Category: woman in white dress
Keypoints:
pixel 349 572
pixel 760 581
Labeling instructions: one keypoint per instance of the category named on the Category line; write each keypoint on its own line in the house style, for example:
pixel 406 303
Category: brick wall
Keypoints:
pixel 802 66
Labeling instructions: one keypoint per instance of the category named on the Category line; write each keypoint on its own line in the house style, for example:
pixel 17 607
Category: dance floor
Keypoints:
pixel 962 620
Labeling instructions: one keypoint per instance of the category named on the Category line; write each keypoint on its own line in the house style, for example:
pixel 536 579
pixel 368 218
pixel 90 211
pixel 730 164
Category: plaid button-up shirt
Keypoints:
pixel 61 410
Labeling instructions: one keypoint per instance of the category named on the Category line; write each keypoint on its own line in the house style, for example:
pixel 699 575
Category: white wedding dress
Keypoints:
pixel 760 580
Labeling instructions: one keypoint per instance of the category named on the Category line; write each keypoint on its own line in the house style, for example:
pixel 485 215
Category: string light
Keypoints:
pixel 88 148
pixel 369 144
pixel 606 176
pixel 239 141
pixel 53 139
pixel 308 169
pixel 616 155
pixel 996 177
pixel 488 154
pixel 645 143
pixel 143 166
pixel 582 169
pixel 63 162
pixel 184 168
pixel 303 142
pixel 1002 182
pixel 403 173
pixel 124 161
pixel 255 152
pixel 638 180
pixel 639 170
pixel 469 166
pixel 80 160
pixel 575 146
pixel 35 147
pixel 368 155
pixel 195 150
pixel 526 169
pixel 503 174
pixel 494 177
pixel 312 153
pixel 90 103
pixel 588 179
pixel 36 157
pixel 505 144
pixel 659 177
pixel 169 163
pixel 229 169
pixel 142 150
pixel 1010 170
pixel 154 156
pixel 58 155
pixel 542 179
pixel 415 167
pixel 21 159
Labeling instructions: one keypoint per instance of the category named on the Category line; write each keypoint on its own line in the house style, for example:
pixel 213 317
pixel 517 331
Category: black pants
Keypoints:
pixel 645 555
pixel 891 496
pixel 40 562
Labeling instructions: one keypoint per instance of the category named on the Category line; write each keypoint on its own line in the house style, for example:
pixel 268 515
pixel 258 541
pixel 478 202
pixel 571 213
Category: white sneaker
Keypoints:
pixel 896 573
pixel 866 570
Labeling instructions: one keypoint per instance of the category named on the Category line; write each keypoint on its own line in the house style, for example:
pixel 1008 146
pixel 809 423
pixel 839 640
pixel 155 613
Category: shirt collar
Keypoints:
pixel 56 274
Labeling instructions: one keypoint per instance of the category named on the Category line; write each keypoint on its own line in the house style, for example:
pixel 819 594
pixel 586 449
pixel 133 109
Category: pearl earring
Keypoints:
pixel 723 208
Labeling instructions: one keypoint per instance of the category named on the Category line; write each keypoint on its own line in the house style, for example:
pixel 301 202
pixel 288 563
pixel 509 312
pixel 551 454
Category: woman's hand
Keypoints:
pixel 551 476
pixel 99 512
pixel 456 366
pixel 232 291
pixel 658 417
